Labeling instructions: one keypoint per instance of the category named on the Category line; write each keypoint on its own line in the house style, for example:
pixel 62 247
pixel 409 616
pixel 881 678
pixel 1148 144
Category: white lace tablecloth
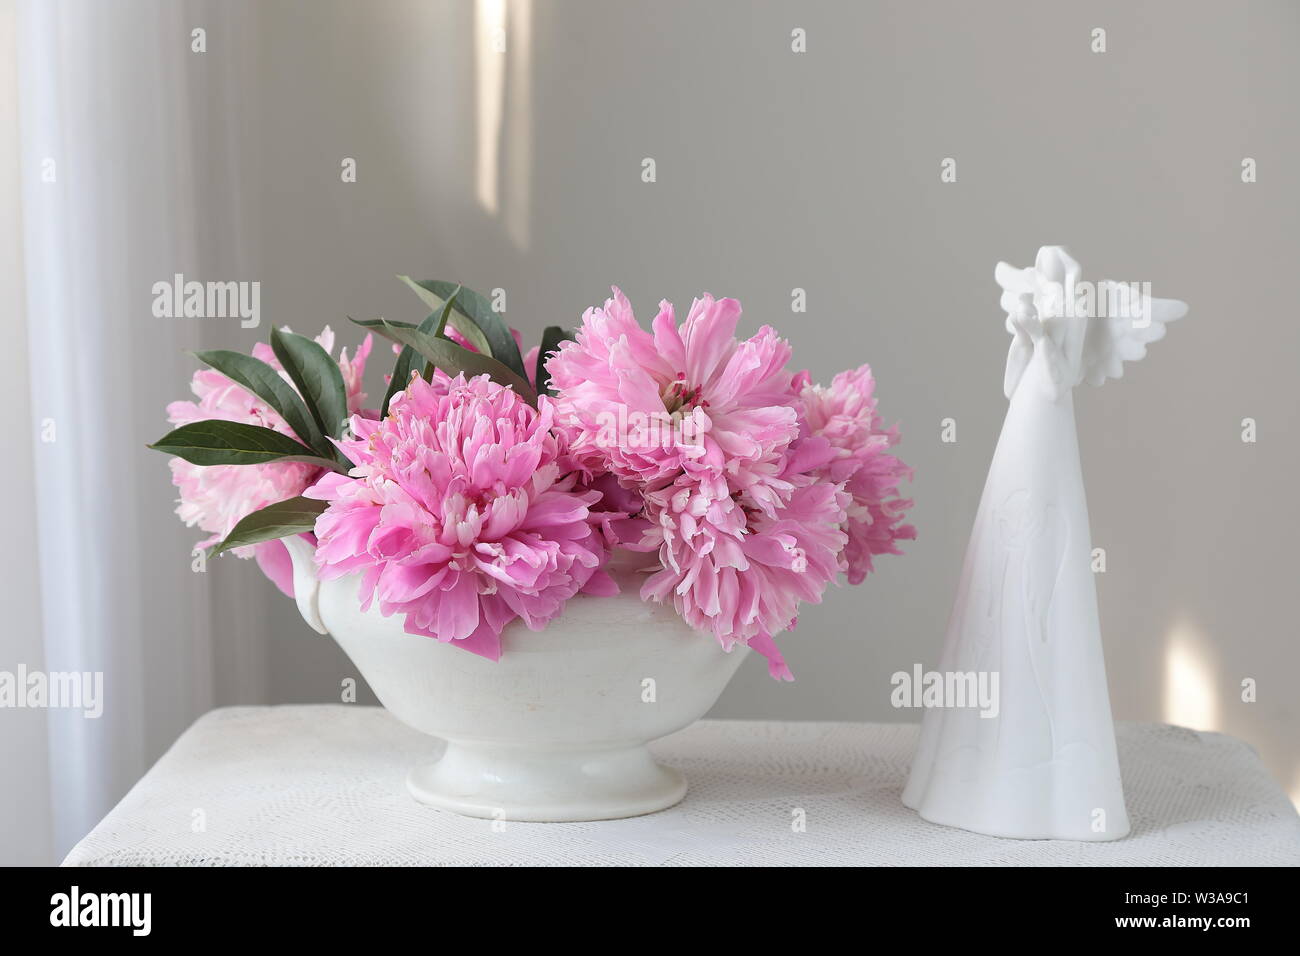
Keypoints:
pixel 324 785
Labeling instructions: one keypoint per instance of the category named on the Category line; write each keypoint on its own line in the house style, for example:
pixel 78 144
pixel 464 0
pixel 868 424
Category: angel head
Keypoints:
pixel 1079 331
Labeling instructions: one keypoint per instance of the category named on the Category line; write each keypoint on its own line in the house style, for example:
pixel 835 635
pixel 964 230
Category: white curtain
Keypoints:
pixel 137 157
pixel 128 151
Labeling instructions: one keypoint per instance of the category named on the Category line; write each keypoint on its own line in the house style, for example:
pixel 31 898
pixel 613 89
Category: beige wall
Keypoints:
pixel 821 171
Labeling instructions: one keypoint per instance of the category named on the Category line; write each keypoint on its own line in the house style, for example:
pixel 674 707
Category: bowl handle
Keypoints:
pixel 306 586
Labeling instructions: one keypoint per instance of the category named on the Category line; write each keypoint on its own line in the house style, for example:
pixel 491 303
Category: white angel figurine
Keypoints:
pixel 1042 763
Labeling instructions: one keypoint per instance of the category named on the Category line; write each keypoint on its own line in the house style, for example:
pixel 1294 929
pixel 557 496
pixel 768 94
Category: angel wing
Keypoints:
pixel 1113 340
pixel 1094 336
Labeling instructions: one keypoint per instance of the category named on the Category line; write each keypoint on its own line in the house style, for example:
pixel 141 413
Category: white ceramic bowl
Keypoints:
pixel 555 730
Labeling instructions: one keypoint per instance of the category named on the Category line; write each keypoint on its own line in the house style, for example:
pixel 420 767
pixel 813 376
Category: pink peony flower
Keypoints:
pixel 738 571
pixel 647 407
pixel 457 514
pixel 217 497
pixel 468 509
pixel 845 415
pixel 758 488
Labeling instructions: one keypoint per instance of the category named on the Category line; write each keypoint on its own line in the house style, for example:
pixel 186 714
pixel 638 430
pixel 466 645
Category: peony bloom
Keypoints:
pixel 845 416
pixel 217 497
pixel 758 488
pixel 650 406
pixel 457 514
pixel 467 508
pixel 737 571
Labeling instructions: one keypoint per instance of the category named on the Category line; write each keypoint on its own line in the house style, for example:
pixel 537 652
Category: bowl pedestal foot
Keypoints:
pixel 546 786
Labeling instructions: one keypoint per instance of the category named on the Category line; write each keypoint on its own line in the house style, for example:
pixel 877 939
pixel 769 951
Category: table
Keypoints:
pixel 324 785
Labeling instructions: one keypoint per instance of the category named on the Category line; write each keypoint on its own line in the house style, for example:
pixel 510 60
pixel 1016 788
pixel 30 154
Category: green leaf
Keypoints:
pixel 319 381
pixel 452 359
pixel 460 323
pixel 218 442
pixel 333 464
pixel 405 364
pixel 551 339
pixel 401 368
pixel 292 516
pixel 400 378
pixel 439 329
pixel 377 324
pixel 483 323
pixel 266 383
